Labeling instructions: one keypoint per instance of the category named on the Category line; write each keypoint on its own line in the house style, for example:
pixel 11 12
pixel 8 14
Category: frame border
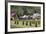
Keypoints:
pixel 6 7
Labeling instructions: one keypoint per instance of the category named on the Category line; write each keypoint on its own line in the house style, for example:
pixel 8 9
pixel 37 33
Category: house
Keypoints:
pixel 36 16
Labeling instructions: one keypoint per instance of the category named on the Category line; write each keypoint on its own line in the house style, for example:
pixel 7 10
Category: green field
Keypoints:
pixel 25 23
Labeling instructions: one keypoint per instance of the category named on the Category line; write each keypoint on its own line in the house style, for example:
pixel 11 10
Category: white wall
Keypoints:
pixel 2 23
pixel 2 17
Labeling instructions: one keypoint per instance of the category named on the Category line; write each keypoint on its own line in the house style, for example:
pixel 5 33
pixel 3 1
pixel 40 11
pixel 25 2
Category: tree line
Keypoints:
pixel 25 10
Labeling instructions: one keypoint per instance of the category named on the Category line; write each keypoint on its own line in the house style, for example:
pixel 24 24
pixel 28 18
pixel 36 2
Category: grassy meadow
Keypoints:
pixel 25 23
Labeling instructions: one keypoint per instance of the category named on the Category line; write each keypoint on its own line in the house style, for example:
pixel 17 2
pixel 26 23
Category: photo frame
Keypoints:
pixel 23 16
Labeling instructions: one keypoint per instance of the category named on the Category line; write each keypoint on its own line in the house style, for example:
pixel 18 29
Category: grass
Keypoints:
pixel 25 23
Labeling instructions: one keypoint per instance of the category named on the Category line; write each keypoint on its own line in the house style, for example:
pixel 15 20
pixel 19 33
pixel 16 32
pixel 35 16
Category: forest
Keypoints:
pixel 25 10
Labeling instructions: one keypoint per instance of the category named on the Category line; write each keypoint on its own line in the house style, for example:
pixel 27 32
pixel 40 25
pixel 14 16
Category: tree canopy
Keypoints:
pixel 25 10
